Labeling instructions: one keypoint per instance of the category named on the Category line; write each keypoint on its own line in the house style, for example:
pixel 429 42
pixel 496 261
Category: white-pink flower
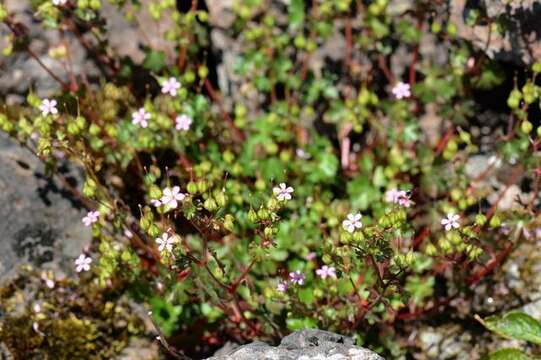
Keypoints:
pixel 59 2
pixel 170 86
pixel 283 192
pixel 91 218
pixel 401 90
pixel 282 286
pixel 452 221
pixel 165 242
pixel 297 277
pixel 171 197
pixel 352 222
pixel 140 117
pixel 183 122
pixel 48 107
pixel 156 203
pixel 82 263
pixel 326 271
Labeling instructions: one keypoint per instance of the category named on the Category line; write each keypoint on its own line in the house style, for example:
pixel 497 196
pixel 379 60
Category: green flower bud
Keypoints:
pixel 252 216
pixel 210 204
pixel 191 187
pixel 480 219
pixel 495 221
pixel 526 127
pixel 202 186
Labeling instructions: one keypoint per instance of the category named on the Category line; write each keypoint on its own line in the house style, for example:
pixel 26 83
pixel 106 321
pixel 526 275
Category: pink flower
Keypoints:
pixel 171 197
pixel 140 117
pixel 282 286
pixel 401 90
pixel 452 221
pixel 183 122
pixel 326 271
pixel 165 242
pixel 399 197
pixel 156 203
pixel 297 277
pixel 352 222
pixel 283 192
pixel 311 256
pixel 59 2
pixel 170 86
pixel 82 263
pixel 48 107
pixel 91 218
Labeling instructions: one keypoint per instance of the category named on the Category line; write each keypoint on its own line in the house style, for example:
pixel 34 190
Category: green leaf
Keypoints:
pixel 296 14
pixel 515 325
pixel 154 61
pixel 508 354
pixel 306 295
pixel 300 324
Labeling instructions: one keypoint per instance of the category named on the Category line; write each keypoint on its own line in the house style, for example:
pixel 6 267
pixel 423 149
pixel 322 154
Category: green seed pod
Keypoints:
pixel 526 127
pixel 480 219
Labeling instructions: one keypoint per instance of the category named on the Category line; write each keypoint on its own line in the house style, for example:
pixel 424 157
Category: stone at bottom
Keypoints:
pixel 302 345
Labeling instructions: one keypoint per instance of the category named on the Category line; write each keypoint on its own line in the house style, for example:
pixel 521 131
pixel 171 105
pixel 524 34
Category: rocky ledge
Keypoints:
pixel 301 345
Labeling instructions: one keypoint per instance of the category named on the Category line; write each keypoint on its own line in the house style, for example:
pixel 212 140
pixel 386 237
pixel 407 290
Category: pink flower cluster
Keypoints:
pixel 399 197
pixel 297 277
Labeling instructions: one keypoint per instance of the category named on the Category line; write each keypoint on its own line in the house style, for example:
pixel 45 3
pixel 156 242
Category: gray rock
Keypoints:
pixel 39 223
pixel 302 345
pixel 518 43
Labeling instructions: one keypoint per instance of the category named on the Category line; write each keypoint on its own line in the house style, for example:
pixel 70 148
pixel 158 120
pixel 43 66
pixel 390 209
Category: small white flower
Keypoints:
pixel 128 233
pixel 326 271
pixel 170 86
pixel 452 221
pixel 82 263
pixel 37 308
pixel 183 122
pixel 352 222
pixel 59 2
pixel 48 282
pixel 401 90
pixel 282 286
pixel 165 242
pixel 283 192
pixel 48 107
pixel 156 203
pixel 140 117
pixel 91 218
pixel 171 197
pixel 399 197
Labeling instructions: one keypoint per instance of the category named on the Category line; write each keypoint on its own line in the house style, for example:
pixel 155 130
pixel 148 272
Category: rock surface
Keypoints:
pixel 302 345
pixel 39 223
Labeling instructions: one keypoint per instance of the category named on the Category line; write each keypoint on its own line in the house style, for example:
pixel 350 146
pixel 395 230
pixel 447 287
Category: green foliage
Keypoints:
pixel 513 325
pixel 240 212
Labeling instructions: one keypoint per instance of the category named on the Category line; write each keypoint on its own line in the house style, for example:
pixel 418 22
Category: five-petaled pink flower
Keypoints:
pixel 401 90
pixel 326 271
pixel 282 286
pixel 283 192
pixel 399 197
pixel 183 122
pixel 165 242
pixel 171 197
pixel 48 107
pixel 91 218
pixel 352 222
pixel 82 263
pixel 297 277
pixel 140 117
pixel 170 86
pixel 452 221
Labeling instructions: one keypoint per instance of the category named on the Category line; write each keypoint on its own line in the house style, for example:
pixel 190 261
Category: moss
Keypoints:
pixel 76 321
